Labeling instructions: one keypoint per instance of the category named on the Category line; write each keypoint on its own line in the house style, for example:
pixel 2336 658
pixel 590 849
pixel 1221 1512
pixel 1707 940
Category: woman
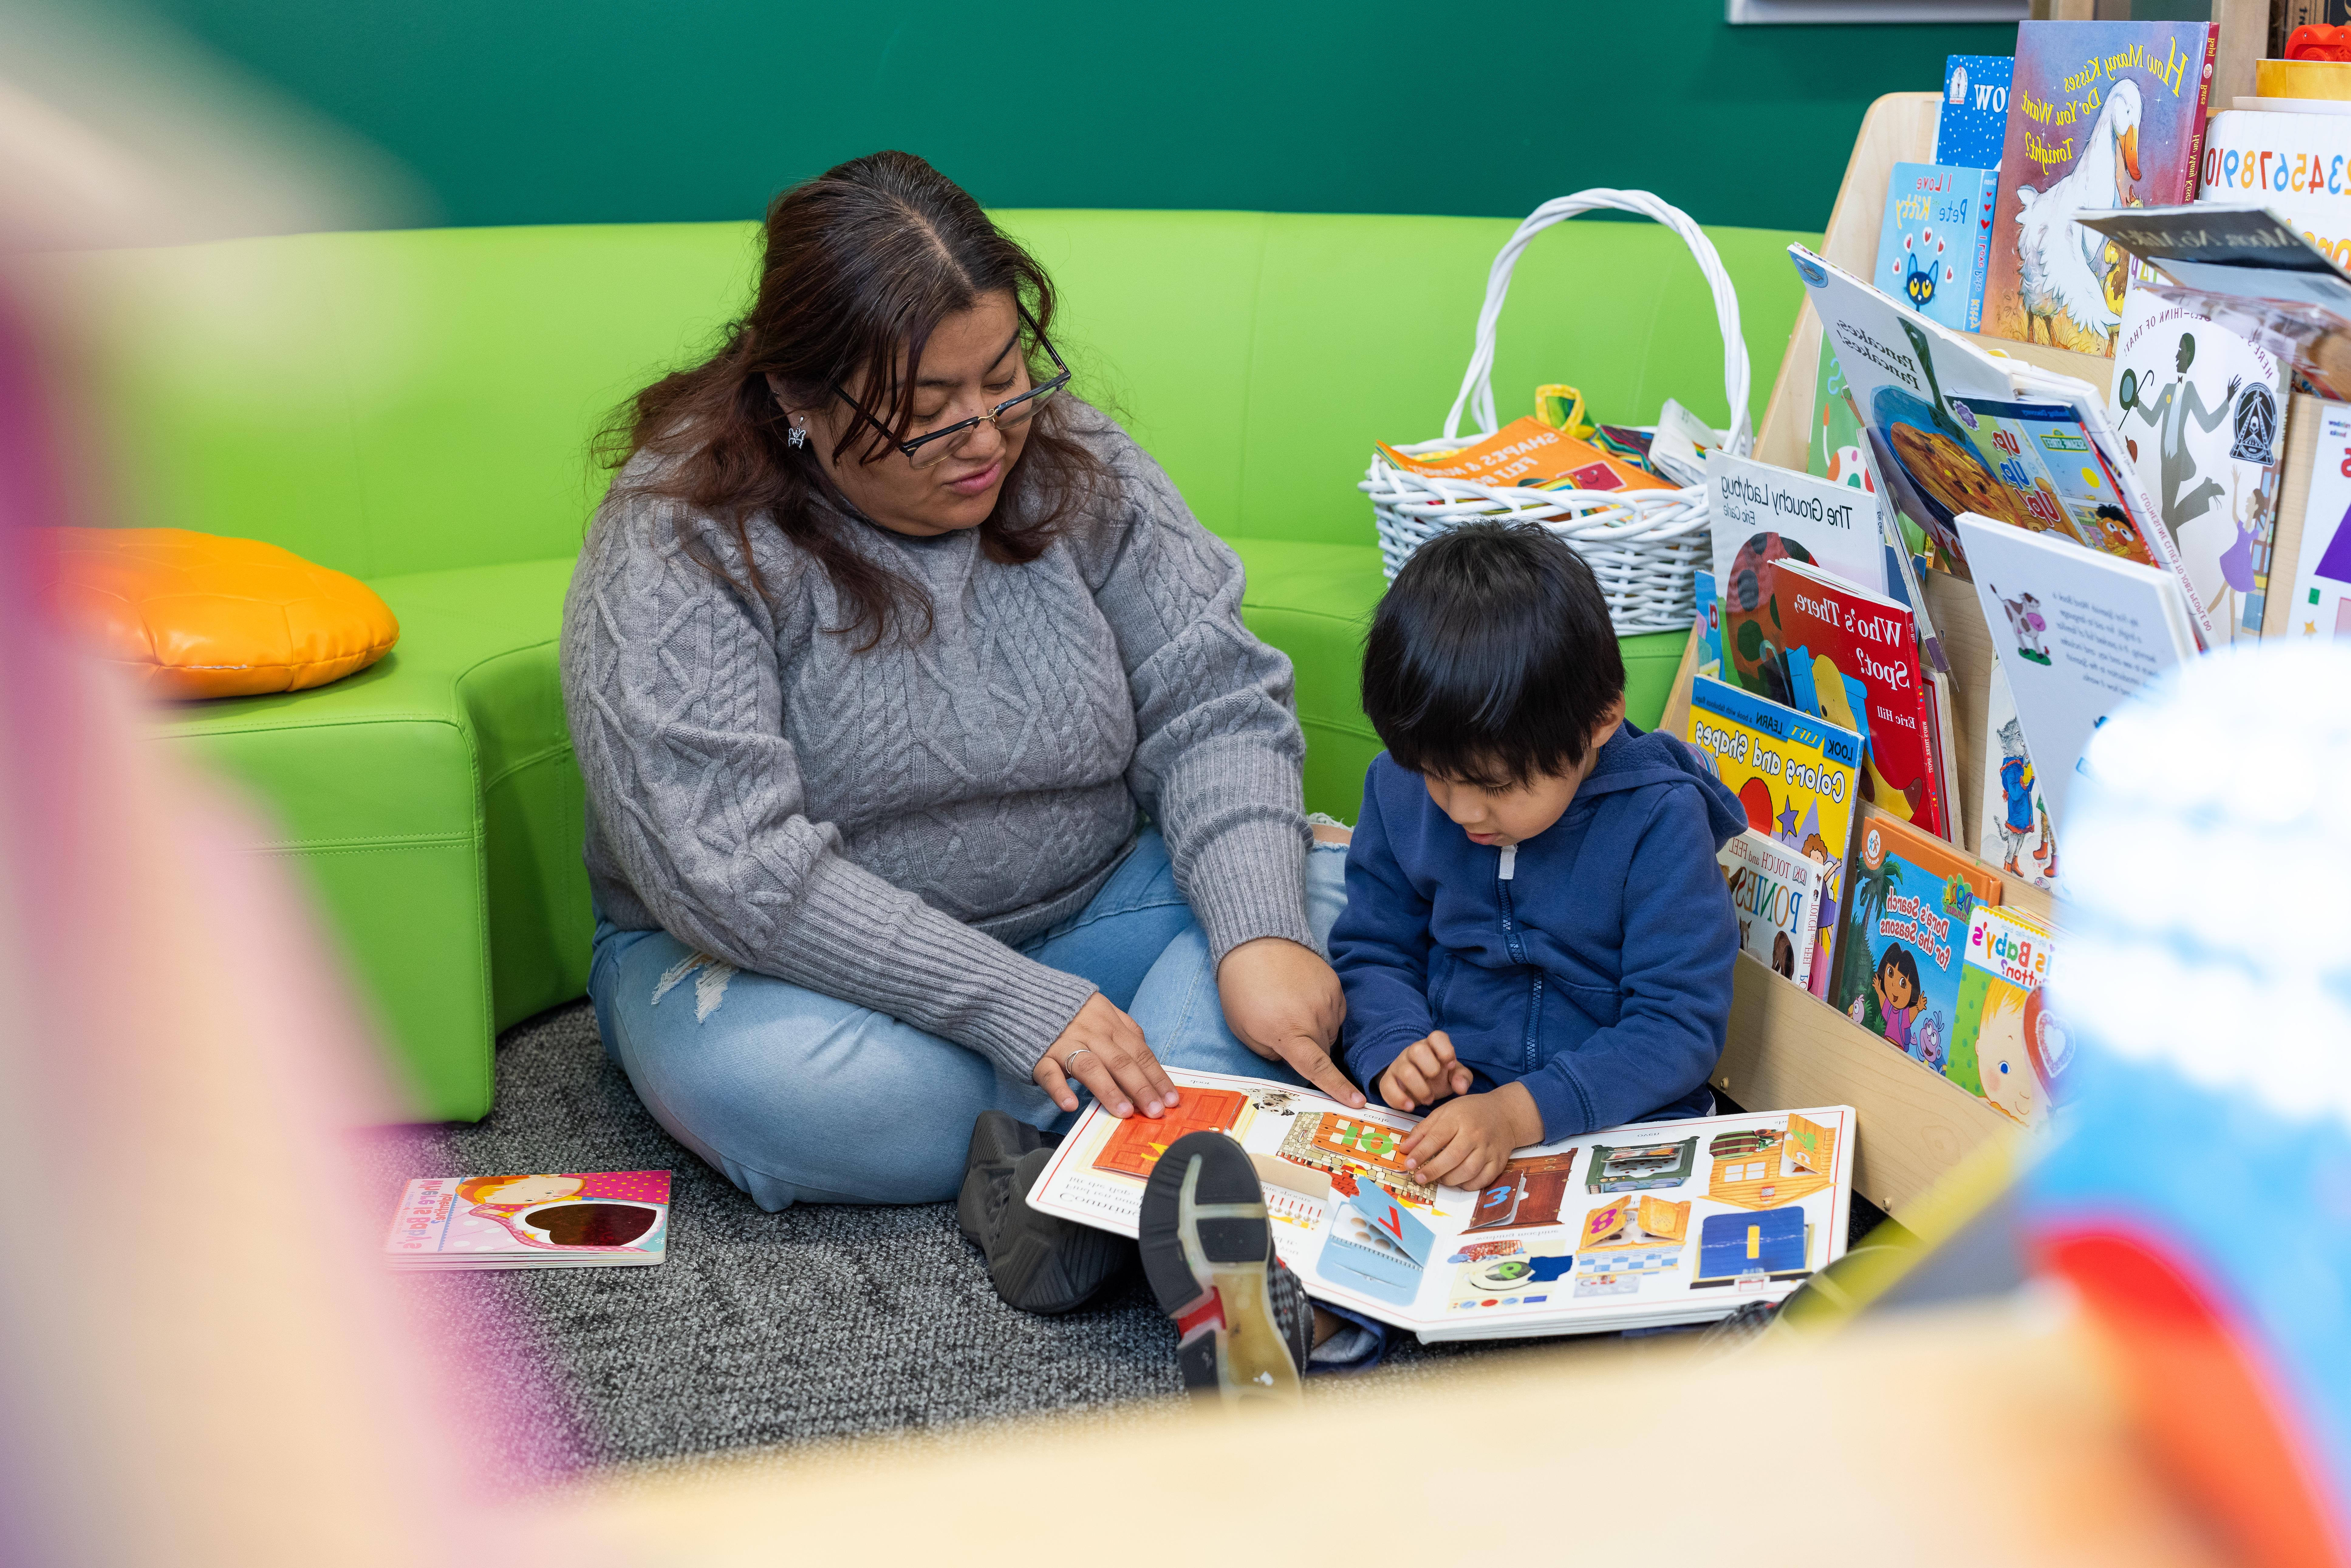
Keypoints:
pixel 881 654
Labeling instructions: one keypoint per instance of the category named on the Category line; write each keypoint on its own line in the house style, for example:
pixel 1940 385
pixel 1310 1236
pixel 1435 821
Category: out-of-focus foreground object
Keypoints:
pixel 189 615
pixel 2201 1203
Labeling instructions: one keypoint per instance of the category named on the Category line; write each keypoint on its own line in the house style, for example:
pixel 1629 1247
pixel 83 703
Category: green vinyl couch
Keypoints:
pixel 416 407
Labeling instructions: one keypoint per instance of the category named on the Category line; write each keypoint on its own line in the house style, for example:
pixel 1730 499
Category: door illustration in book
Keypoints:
pixel 1528 1193
pixel 1137 1144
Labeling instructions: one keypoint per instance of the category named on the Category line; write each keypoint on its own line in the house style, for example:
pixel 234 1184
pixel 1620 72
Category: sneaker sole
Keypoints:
pixel 1205 1244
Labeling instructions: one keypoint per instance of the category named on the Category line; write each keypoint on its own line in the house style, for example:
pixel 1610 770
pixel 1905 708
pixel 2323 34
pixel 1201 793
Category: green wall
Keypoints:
pixel 525 111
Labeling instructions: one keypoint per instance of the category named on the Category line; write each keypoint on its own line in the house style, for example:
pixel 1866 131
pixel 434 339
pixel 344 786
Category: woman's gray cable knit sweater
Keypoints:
pixel 883 826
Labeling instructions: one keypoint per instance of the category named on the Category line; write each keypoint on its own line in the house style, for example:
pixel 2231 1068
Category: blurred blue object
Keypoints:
pixel 2199 1196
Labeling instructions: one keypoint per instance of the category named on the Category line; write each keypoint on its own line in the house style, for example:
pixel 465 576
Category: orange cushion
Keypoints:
pixel 197 615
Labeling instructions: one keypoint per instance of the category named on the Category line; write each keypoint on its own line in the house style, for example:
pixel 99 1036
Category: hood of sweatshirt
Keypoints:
pixel 1634 759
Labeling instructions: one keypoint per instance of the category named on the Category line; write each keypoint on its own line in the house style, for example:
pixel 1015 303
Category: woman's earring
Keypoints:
pixel 798 436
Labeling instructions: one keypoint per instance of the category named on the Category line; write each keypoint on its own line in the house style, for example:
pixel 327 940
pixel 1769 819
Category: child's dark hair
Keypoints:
pixel 1898 959
pixel 1491 660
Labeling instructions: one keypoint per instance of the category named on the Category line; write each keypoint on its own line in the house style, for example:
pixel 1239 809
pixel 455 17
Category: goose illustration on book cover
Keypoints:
pixel 2100 115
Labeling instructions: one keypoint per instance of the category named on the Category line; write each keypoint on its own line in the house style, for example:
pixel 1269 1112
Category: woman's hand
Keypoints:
pixel 1103 1049
pixel 1284 1003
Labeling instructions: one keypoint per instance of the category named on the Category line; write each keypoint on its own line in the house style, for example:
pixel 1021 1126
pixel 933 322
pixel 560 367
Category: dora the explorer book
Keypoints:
pixel 1907 909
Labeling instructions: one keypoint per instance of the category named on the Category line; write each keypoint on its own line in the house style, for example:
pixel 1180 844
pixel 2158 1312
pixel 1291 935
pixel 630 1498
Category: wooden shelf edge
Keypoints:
pixel 1788 1049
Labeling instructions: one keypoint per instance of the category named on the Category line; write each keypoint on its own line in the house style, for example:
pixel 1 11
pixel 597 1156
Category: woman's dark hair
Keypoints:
pixel 1492 658
pixel 862 264
pixel 1898 959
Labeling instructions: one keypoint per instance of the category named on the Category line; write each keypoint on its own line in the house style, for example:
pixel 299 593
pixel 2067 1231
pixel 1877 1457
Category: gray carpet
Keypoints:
pixel 817 1323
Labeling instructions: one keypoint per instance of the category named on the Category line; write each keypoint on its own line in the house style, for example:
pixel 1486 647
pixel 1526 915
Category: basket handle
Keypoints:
pixel 1477 382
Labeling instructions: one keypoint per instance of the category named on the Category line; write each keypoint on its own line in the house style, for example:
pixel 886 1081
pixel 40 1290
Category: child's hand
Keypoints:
pixel 1425 1073
pixel 1465 1141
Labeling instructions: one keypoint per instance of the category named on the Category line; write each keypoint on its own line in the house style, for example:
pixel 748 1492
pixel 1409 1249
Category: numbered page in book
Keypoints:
pixel 1647 1226
pixel 573 1219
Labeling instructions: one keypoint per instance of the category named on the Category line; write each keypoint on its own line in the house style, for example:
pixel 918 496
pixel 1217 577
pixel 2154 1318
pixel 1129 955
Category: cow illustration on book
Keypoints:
pixel 2025 620
pixel 1528 1192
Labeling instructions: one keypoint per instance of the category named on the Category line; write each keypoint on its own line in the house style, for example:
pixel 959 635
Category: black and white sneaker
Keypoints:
pixel 1243 1321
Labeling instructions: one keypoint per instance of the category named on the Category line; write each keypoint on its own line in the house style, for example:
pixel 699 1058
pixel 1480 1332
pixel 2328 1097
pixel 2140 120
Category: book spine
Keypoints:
pixel 2197 127
pixel 1979 271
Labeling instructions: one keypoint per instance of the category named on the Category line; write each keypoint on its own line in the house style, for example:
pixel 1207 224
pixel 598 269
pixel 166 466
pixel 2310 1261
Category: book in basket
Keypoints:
pixel 570 1219
pixel 1648 1226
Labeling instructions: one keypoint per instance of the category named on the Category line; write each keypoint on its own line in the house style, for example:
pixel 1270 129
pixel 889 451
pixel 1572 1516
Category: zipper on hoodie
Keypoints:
pixel 1505 872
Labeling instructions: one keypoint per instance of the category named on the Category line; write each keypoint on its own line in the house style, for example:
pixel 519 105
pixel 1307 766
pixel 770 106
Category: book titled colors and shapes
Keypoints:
pixel 571 1219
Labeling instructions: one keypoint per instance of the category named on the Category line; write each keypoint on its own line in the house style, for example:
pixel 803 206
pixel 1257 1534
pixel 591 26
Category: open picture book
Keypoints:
pixel 1658 1224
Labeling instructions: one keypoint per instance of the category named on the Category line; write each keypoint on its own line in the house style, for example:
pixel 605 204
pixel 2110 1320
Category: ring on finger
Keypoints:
pixel 1070 1059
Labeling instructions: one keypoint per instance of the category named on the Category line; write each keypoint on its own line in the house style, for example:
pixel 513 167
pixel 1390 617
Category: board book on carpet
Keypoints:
pixel 572 1219
pixel 1656 1225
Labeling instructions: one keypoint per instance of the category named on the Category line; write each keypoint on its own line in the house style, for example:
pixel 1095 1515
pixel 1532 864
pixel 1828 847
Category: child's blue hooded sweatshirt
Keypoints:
pixel 1593 965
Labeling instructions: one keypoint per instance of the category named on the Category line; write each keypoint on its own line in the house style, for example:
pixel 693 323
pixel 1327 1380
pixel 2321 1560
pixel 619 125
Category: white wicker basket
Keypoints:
pixel 1643 545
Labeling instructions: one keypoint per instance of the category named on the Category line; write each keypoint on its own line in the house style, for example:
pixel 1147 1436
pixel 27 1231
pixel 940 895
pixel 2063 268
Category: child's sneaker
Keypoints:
pixel 1244 1323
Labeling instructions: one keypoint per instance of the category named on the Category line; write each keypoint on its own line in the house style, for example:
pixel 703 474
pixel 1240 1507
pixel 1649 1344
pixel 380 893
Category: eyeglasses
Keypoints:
pixel 930 450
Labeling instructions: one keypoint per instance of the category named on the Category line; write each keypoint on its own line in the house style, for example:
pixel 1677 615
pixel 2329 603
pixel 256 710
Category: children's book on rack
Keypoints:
pixel 2014 832
pixel 1898 970
pixel 2320 597
pixel 1798 779
pixel 2076 632
pixel 1649 1226
pixel 2100 115
pixel 2198 395
pixel 1852 657
pixel 1760 512
pixel 1936 240
pixel 1973 121
pixel 2006 1047
pixel 572 1219
pixel 1952 428
pixel 1776 894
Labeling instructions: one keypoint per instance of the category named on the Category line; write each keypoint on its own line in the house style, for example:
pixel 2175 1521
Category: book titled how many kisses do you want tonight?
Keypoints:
pixel 1796 775
pixel 1643 1226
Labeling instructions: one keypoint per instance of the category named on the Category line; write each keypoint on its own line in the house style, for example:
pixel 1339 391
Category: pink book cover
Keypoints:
pixel 531 1219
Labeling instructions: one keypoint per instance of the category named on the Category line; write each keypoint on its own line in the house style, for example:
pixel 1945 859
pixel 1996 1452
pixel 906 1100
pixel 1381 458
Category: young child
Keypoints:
pixel 1538 941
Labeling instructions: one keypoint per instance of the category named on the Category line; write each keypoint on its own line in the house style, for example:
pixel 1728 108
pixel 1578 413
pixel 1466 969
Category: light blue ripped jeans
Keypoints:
pixel 799 1097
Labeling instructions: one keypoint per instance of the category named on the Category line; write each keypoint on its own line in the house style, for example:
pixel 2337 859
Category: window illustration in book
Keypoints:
pixel 547 1220
pixel 1906 936
pixel 1775 894
pixel 2198 401
pixel 1798 777
pixel 2100 115
pixel 1587 1234
pixel 2007 1045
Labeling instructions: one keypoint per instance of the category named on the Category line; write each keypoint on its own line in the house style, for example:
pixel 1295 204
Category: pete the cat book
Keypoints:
pixel 1933 249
